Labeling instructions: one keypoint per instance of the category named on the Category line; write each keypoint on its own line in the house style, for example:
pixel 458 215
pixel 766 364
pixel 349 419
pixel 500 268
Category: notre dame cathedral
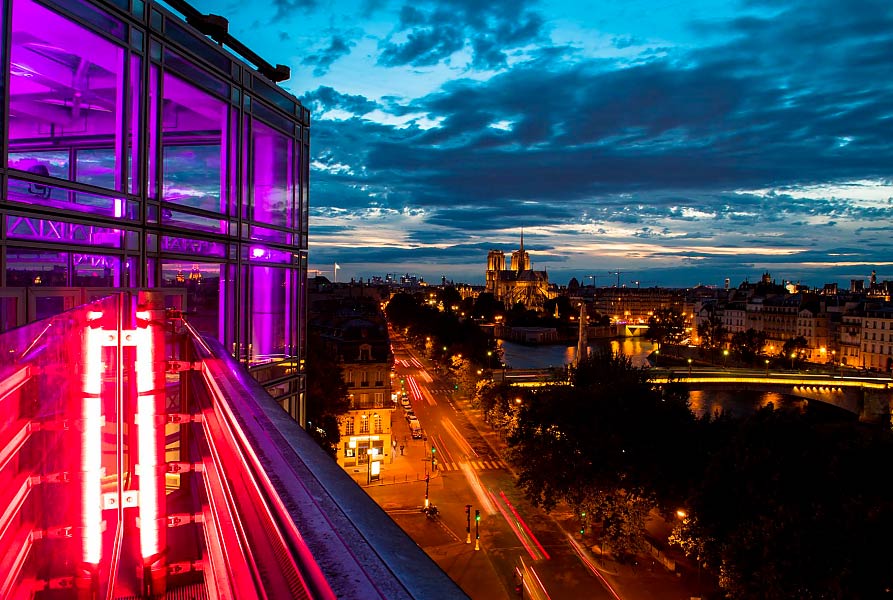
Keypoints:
pixel 519 283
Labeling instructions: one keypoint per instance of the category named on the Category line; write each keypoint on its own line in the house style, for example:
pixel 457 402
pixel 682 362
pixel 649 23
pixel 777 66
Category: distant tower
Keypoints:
pixel 728 281
pixel 582 338
pixel 495 264
pixel 520 258
pixel 873 280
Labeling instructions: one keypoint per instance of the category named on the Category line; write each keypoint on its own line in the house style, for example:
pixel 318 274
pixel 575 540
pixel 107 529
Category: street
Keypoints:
pixel 523 552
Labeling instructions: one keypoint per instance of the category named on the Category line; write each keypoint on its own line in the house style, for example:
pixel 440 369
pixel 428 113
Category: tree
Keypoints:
pixel 712 332
pixel 402 310
pixel 748 344
pixel 666 325
pixel 486 307
pixel 610 443
pixel 326 394
pixel 792 507
pixel 449 297
pixel 794 346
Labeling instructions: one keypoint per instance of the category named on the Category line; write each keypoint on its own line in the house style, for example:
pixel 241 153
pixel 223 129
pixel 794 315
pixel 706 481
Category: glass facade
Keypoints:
pixel 141 155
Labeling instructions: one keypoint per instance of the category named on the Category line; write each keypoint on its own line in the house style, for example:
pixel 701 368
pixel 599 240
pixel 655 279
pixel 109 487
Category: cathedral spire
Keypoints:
pixel 522 239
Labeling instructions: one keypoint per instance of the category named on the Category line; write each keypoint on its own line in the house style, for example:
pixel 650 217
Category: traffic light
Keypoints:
pixel 433 449
pixel 456 386
pixel 477 515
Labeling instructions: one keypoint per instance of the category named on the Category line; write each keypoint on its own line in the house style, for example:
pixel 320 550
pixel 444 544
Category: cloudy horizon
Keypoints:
pixel 676 142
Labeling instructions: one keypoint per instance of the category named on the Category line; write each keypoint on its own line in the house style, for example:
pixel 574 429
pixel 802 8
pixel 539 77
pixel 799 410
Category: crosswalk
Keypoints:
pixel 477 465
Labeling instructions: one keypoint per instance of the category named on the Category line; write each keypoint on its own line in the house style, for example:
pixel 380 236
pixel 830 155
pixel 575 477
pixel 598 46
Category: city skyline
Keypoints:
pixel 678 143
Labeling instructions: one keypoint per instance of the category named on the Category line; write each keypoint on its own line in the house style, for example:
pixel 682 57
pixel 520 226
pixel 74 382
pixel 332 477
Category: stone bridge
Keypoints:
pixel 868 397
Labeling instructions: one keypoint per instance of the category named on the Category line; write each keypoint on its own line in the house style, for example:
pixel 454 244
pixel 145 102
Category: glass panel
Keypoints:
pixel 48 195
pixel 201 282
pixel 175 218
pixel 30 228
pixel 133 117
pixel 273 176
pixel 95 167
pixel 65 91
pixel 258 253
pixel 184 245
pixel 26 267
pixel 96 270
pixel 176 31
pixel 12 311
pixel 270 235
pixel 273 312
pixel 194 126
pixel 152 156
pixel 48 163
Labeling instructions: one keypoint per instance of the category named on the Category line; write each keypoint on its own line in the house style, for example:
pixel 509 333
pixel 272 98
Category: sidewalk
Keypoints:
pixel 397 468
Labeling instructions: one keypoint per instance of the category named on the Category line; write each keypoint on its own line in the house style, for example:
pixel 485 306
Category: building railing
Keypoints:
pixel 139 459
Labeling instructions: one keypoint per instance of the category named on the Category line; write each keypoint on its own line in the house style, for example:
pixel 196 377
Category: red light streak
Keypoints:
pixel 518 533
pixel 91 445
pixel 147 429
pixel 591 566
pixel 524 525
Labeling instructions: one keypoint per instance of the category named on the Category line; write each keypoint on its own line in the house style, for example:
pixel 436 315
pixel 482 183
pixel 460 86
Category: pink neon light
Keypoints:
pixel 91 446
pixel 258 252
pixel 146 441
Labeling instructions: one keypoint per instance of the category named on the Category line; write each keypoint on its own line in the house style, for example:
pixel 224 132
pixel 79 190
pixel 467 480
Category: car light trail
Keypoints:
pixel 474 483
pixel 517 531
pixel 442 448
pixel 416 363
pixel 458 437
pixel 584 557
pixel 535 592
pixel 414 388
pixel 524 525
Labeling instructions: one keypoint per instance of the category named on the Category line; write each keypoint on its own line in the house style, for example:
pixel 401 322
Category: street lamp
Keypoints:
pixel 767 367
pixel 689 367
pixel 793 356
pixel 725 356
pixel 489 362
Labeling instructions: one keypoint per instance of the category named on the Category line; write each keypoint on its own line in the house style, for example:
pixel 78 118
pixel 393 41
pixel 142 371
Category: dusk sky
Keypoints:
pixel 679 142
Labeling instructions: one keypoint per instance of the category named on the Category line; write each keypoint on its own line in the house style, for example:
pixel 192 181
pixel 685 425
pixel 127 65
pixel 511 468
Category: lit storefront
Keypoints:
pixel 140 154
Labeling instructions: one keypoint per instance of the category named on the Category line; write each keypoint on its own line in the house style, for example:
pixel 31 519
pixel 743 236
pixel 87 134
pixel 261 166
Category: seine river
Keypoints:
pixel 518 356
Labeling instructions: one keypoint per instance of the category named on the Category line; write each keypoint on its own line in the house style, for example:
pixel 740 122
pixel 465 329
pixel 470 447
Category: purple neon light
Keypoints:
pixel 63 84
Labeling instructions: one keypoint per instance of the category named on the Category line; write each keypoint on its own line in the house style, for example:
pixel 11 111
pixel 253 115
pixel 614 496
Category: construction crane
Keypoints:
pixel 594 279
pixel 618 274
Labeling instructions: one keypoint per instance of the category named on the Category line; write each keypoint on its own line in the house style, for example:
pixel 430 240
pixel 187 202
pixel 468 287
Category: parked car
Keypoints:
pixel 415 429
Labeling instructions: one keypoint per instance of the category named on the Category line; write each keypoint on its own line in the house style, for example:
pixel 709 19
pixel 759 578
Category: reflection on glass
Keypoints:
pixel 64 90
pixel 272 312
pixel 29 267
pixel 194 125
pixel 201 282
pixel 273 198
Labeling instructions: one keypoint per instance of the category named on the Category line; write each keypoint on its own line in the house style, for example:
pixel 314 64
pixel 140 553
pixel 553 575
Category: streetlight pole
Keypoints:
pixel 427 481
pixel 689 367
pixel 468 523
pixel 767 367
pixel 477 530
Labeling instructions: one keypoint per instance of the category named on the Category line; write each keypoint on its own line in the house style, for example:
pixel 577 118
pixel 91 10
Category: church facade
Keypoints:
pixel 518 283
